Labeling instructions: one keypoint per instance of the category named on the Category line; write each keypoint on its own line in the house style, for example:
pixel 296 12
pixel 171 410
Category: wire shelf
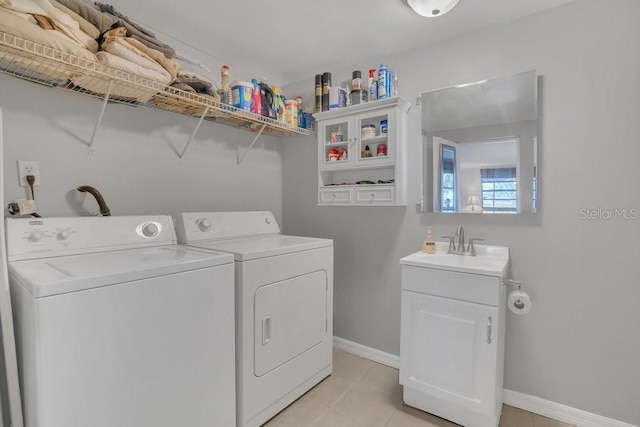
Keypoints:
pixel 44 65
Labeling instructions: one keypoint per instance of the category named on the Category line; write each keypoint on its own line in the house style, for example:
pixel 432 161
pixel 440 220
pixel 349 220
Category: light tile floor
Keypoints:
pixel 362 393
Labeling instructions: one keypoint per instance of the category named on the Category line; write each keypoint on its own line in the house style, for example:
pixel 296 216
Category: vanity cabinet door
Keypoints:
pixel 449 350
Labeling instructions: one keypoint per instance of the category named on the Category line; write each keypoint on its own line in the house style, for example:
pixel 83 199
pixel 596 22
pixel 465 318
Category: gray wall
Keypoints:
pixel 134 162
pixel 580 346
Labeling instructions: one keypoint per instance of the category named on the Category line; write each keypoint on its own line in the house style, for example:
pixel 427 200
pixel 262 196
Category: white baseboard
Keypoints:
pixel 526 402
pixel 367 352
pixel 558 411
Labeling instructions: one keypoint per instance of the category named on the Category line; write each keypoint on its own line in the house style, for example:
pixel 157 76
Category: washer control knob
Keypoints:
pixel 204 224
pixel 267 220
pixel 35 236
pixel 62 235
pixel 150 229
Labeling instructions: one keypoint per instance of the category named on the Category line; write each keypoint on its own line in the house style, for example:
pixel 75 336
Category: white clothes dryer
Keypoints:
pixel 284 307
pixel 118 325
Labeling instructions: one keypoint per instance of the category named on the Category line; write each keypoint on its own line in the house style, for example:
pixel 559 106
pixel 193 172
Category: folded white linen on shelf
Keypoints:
pixel 116 44
pixel 16 24
pixel 121 90
pixel 122 64
pixel 86 26
pixel 65 23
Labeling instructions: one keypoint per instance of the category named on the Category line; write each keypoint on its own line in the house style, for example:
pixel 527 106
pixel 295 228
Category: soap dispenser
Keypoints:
pixel 429 244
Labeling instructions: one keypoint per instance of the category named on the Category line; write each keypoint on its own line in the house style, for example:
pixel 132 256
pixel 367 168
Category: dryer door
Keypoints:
pixel 290 318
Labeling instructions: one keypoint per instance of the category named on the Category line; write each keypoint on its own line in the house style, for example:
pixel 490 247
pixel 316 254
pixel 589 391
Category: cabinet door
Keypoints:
pixel 375 138
pixel 336 143
pixel 448 350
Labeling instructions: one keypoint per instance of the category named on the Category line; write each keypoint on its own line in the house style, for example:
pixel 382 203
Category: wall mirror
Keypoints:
pixel 480 146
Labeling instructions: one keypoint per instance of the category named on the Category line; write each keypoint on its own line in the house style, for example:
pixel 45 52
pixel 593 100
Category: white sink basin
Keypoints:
pixel 489 260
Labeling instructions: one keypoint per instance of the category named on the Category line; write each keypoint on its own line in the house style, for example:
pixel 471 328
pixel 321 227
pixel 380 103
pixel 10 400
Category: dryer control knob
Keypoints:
pixel 150 229
pixel 62 235
pixel 36 236
pixel 204 224
pixel 267 220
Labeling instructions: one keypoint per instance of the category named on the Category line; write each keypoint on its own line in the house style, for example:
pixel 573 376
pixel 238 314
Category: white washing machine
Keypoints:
pixel 118 325
pixel 284 307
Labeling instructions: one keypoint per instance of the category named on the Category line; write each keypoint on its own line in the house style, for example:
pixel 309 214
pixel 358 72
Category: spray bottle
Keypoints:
pixel 373 85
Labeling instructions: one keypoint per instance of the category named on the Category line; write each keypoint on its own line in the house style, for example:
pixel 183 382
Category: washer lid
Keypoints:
pixel 264 246
pixel 52 276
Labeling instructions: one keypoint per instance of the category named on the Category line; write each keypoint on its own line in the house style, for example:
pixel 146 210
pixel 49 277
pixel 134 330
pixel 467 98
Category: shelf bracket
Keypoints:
pixel 204 113
pixel 251 146
pixel 104 107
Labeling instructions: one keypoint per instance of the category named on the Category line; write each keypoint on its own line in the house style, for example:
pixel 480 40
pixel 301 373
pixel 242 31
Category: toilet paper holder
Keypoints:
pixel 514 283
pixel 522 303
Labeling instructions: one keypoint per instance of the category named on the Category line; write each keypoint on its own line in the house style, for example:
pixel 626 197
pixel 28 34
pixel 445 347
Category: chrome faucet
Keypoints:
pixel 460 236
pixel 460 249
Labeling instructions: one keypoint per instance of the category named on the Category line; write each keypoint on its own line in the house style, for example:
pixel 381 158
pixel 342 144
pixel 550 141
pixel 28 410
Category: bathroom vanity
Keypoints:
pixel 452 333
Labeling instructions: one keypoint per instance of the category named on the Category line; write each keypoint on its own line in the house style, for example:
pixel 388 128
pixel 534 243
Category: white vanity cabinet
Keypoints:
pixel 359 169
pixel 452 336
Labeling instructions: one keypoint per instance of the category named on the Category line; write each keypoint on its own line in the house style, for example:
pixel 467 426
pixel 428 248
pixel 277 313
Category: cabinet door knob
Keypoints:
pixel 489 330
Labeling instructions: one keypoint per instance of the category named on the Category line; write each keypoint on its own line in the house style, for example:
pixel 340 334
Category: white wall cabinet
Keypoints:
pixel 452 344
pixel 357 170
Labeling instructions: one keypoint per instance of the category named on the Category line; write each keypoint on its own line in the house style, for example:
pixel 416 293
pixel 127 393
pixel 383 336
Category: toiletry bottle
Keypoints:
pixel 356 82
pixel 339 135
pixel 326 85
pixel 383 82
pixel 225 90
pixel 318 93
pixel 256 99
pixel 301 117
pixel 373 85
pixel 394 85
pixel 429 244
pixel 278 104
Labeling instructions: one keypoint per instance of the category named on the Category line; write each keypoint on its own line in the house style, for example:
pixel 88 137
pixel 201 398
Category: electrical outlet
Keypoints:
pixel 28 167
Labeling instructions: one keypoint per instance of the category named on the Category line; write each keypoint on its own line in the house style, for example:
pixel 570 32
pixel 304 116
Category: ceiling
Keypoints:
pixel 286 41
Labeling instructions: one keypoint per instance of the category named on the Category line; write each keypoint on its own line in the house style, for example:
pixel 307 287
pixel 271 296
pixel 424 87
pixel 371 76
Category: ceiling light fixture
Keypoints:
pixel 432 8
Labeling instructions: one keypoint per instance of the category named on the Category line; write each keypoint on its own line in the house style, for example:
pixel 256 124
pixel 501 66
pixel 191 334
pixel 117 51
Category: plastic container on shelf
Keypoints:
pixel 256 98
pixel 367 131
pixel 278 104
pixel 291 112
pixel 358 96
pixel 383 82
pixel 241 94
